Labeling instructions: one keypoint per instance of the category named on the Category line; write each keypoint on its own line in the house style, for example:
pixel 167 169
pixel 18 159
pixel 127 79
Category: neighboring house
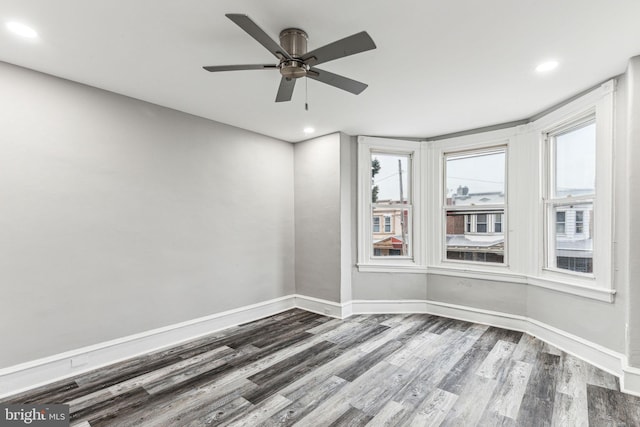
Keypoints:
pixel 478 236
pixel 389 231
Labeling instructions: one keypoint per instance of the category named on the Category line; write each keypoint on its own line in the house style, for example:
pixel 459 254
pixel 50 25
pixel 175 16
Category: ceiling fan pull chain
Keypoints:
pixel 306 94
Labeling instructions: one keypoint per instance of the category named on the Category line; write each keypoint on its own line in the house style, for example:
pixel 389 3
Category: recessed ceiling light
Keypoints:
pixel 308 130
pixel 22 30
pixel 547 66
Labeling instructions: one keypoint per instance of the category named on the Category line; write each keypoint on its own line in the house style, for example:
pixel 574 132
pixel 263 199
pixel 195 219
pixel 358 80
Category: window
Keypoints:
pixel 560 222
pixel 497 223
pixel 481 223
pixel 388 184
pixel 390 198
pixel 474 205
pixel 387 224
pixel 579 221
pixel 571 194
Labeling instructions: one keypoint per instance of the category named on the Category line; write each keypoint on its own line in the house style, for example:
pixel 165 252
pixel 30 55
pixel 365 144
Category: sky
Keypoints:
pixel 388 179
pixel 576 159
pixel 481 173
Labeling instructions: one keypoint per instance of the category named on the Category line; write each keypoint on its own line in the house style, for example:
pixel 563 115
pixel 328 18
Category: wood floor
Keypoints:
pixel 300 368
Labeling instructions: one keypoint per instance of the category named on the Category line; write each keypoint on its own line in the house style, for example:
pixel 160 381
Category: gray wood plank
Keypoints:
pixel 508 395
pixel 434 409
pixel 352 418
pixel 305 401
pixel 471 403
pixel 390 415
pixel 538 400
pixel 259 414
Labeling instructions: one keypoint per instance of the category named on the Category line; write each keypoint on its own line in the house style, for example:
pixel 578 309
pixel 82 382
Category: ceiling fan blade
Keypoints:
pixel 244 22
pixel 285 91
pixel 351 45
pixel 337 80
pixel 213 68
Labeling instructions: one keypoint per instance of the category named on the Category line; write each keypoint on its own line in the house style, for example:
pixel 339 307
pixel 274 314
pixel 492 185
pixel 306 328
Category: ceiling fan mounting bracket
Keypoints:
pixel 294 41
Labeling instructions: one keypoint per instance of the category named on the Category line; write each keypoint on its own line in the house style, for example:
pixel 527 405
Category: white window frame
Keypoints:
pixel 599 104
pixel 471 149
pixel 552 203
pixel 366 260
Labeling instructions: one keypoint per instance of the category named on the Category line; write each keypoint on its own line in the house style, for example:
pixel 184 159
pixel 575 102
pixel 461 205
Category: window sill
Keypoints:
pixel 593 292
pixel 390 268
pixel 586 291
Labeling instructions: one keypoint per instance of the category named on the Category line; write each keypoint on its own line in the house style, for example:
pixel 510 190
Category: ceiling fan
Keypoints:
pixel 296 62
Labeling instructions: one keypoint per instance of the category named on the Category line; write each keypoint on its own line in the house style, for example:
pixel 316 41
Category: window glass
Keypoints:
pixel 392 241
pixel 475 179
pixel 575 161
pixel 391 204
pixel 573 243
pixel 473 244
pixel 571 195
pixel 389 173
pixel 474 206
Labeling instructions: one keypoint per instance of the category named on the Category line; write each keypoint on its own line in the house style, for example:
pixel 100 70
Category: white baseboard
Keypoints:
pixel 33 374
pixel 322 306
pixel 25 376
pixel 595 354
pixel 630 379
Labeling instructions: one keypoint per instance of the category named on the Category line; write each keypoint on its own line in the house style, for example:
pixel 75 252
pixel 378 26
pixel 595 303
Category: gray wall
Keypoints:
pixel 633 229
pixel 118 216
pixel 317 218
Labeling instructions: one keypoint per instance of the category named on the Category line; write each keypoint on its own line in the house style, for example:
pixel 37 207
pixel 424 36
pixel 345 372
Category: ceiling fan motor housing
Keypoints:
pixel 294 41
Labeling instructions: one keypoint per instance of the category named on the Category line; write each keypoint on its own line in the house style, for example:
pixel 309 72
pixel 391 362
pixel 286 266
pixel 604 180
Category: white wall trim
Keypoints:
pixel 595 354
pixel 19 378
pixel 320 306
pixel 24 376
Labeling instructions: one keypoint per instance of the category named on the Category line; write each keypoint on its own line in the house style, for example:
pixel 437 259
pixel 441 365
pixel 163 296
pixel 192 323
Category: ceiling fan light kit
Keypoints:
pixel 294 60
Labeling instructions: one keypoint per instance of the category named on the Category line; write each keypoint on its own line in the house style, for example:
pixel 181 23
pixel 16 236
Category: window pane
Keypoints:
pixel 475 179
pixel 575 162
pixel 573 241
pixel 389 176
pixel 474 244
pixel 393 239
pixel 481 223
pixel 560 222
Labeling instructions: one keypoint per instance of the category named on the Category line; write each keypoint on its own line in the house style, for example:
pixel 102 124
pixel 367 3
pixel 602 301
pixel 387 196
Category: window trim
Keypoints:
pixel 599 104
pixel 367 261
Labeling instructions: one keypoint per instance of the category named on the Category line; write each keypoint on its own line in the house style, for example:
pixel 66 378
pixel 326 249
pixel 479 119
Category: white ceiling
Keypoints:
pixel 439 67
